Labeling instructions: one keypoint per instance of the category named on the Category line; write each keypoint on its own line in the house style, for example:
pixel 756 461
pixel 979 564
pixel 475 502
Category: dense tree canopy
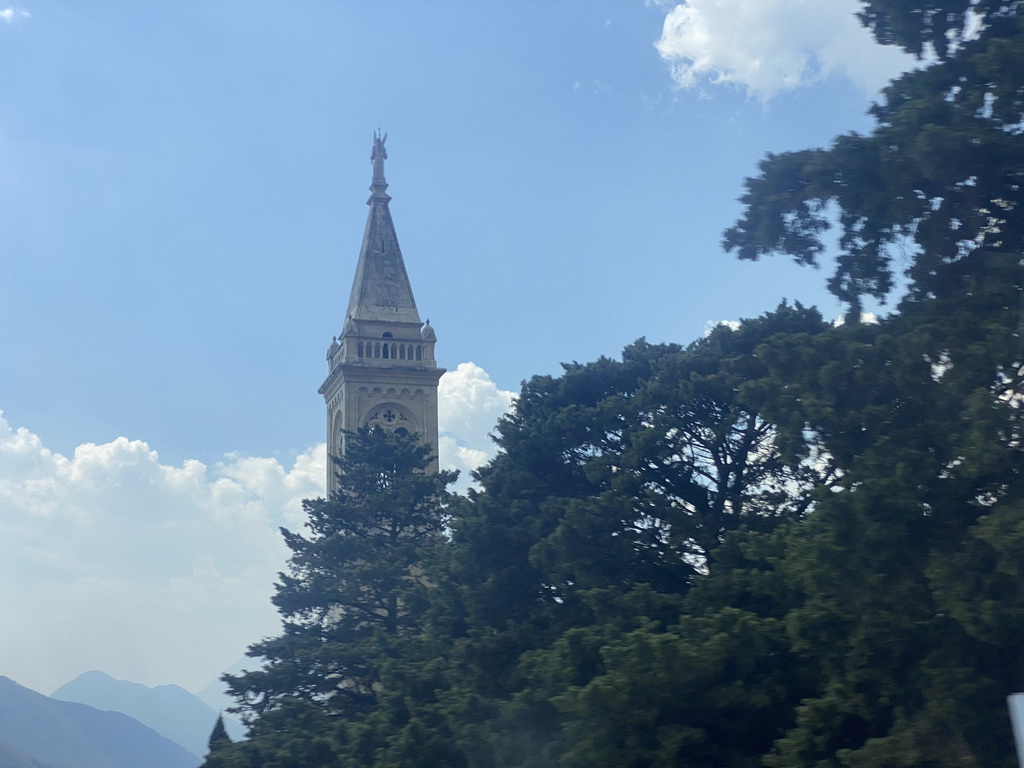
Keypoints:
pixel 935 27
pixel 786 544
pixel 933 190
pixel 616 485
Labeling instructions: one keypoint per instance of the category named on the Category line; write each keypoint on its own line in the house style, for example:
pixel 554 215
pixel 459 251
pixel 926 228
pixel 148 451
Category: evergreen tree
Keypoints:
pixel 351 601
pixel 616 485
pixel 786 544
pixel 935 188
pixel 219 736
pixel 908 594
pixel 901 554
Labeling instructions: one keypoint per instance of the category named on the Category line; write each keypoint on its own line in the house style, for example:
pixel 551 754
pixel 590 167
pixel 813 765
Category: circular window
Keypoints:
pixel 391 416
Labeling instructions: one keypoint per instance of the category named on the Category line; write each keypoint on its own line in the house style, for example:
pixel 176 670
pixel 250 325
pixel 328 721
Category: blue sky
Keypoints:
pixel 182 190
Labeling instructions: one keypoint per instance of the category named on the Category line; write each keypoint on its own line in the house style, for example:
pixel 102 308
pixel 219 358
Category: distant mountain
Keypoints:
pixel 64 734
pixel 11 758
pixel 169 710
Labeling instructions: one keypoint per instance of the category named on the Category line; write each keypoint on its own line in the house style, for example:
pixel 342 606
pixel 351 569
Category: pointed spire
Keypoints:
pixel 381 290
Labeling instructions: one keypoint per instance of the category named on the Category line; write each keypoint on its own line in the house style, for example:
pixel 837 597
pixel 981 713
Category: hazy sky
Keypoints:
pixel 182 190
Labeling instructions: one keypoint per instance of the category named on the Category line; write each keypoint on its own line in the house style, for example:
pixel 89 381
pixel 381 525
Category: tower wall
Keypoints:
pixel 381 369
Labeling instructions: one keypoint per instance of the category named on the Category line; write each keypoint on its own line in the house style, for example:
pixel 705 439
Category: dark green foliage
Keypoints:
pixel 934 188
pixel 352 602
pixel 353 581
pixel 219 740
pixel 219 735
pixel 617 485
pixel 666 437
pixel 899 560
pixel 787 544
pixel 933 27
pixel 920 414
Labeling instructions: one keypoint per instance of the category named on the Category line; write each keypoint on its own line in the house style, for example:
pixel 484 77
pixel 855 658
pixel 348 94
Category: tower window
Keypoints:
pixel 388 335
pixel 419 352
pixel 376 349
pixel 360 349
pixel 385 351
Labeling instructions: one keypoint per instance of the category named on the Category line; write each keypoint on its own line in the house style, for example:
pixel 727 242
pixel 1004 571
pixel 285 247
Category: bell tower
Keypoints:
pixel 381 369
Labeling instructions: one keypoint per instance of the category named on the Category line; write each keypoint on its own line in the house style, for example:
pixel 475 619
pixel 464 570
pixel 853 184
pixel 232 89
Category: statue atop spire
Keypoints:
pixel 377 156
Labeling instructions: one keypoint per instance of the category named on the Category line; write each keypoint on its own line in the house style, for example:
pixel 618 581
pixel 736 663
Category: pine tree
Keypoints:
pixel 219 736
pixel 909 586
pixel 351 601
pixel 935 188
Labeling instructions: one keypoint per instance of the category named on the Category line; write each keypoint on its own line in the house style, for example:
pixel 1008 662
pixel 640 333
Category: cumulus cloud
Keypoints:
pixel 770 46
pixel 156 573
pixel 150 572
pixel 469 404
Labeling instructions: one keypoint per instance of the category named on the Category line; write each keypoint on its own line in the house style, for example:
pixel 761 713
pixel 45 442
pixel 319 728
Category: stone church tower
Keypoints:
pixel 381 369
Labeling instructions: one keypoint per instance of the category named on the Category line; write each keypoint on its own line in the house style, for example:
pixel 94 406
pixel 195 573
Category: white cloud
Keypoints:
pixel 10 15
pixel 710 325
pixel 469 406
pixel 150 572
pixel 770 46
pixel 163 574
